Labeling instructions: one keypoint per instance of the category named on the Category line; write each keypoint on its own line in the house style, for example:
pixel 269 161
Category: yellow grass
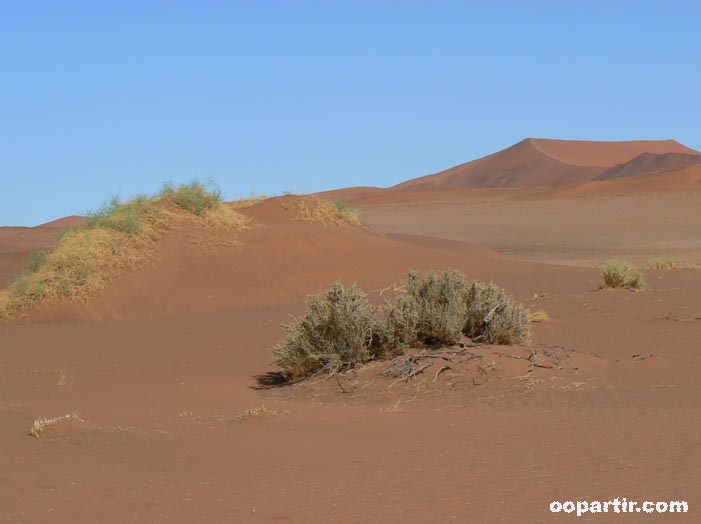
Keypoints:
pixel 328 212
pixel 120 236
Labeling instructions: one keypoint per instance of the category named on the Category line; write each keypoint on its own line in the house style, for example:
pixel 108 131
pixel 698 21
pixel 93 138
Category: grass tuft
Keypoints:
pixel 195 197
pixel 313 208
pixel 621 274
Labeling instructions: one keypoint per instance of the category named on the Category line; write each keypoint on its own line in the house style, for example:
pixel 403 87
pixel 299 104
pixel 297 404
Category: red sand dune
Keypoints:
pixel 649 163
pixel 537 162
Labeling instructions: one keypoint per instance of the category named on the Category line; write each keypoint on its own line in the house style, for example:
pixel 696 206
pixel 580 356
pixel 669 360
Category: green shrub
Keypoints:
pixel 337 332
pixel 621 274
pixel 493 317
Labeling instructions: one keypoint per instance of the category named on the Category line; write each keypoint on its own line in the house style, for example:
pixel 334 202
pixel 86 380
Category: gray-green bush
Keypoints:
pixel 340 330
pixel 493 317
pixel 337 332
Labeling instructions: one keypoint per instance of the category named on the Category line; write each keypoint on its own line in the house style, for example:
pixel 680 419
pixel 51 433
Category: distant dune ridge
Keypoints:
pixel 540 162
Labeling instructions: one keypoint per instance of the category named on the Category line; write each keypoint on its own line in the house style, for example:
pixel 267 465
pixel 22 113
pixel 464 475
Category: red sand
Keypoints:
pixel 162 368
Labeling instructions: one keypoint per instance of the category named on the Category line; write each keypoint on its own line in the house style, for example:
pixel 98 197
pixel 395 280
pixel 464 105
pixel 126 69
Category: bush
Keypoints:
pixel 431 310
pixel 621 274
pixel 341 331
pixel 337 332
pixel 493 317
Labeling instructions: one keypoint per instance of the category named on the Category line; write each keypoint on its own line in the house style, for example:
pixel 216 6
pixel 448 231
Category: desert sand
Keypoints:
pixel 181 420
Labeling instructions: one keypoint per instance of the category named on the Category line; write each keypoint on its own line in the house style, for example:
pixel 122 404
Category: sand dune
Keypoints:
pixel 537 162
pixel 597 153
pixel 649 163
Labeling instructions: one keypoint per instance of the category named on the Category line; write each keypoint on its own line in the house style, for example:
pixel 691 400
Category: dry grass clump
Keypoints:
pixel 621 274
pixel 42 424
pixel 341 331
pixel 328 212
pixel 336 333
pixel 494 318
pixel 120 235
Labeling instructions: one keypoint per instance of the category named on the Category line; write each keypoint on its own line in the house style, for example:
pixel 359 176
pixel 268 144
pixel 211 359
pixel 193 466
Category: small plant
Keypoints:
pixel 494 318
pixel 621 274
pixel 336 333
pixel 42 424
pixel 313 208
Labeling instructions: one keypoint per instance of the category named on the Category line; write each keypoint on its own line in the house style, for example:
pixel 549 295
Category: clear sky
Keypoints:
pixel 115 97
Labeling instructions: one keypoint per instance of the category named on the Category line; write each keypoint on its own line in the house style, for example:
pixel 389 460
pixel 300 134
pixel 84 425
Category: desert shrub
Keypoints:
pixel 337 332
pixel 328 212
pixel 195 197
pixel 493 317
pixel 431 310
pixel 621 274
pixel 341 331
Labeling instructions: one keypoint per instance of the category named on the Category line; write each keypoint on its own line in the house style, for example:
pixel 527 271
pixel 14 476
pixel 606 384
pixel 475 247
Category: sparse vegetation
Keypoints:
pixel 621 274
pixel 120 235
pixel 341 330
pixel 662 264
pixel 42 424
pixel 313 208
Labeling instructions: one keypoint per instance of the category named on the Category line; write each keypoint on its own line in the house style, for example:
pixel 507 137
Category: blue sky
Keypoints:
pixel 103 98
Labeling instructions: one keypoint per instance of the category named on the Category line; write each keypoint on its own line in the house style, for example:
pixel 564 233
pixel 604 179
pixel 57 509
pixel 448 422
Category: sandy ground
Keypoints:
pixel 573 230
pixel 164 370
